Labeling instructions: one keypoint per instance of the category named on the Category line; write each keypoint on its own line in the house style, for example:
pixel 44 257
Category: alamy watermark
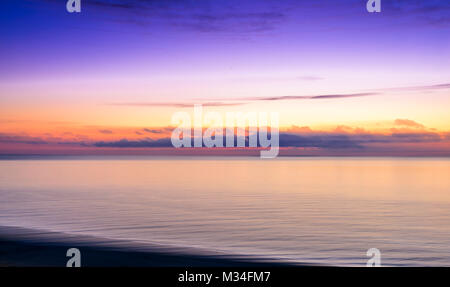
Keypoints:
pixel 73 6
pixel 373 6
pixel 190 133
pixel 375 257
pixel 75 257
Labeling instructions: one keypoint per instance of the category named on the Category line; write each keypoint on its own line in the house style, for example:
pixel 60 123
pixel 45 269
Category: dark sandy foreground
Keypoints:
pixel 24 247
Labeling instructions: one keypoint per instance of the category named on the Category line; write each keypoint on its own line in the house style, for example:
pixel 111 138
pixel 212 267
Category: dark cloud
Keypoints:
pixel 124 4
pixel 326 141
pixel 125 143
pixel 198 16
pixel 21 139
pixel 416 137
pixel 224 21
pixel 234 17
pixel 321 140
pixel 74 143
pixel 435 12
pixel 307 139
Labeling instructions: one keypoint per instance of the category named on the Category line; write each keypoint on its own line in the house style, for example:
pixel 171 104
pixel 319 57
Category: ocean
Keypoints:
pixel 306 210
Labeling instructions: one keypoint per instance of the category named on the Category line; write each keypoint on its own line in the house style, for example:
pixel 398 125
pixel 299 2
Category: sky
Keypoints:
pixel 109 79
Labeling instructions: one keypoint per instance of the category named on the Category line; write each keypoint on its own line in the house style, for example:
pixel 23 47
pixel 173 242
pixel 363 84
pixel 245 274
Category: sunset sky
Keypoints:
pixel 108 79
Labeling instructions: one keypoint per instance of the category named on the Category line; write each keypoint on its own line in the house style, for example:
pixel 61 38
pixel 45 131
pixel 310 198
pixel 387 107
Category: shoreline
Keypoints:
pixel 21 247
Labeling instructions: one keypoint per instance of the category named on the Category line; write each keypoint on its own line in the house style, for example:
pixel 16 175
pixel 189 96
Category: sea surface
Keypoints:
pixel 326 211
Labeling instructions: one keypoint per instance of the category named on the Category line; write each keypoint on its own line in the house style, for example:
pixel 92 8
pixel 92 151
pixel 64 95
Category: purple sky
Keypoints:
pixel 157 39
pixel 129 63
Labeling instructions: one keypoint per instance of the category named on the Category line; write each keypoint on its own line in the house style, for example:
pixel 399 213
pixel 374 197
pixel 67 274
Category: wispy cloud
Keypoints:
pixel 316 97
pixel 420 88
pixel 106 131
pixel 434 12
pixel 239 101
pixel 174 104
pixel 408 123
pixel 157 130
pixel 309 78
pixel 198 16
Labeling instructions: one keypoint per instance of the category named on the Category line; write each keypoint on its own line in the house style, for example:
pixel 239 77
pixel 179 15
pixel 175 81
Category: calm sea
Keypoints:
pixel 312 210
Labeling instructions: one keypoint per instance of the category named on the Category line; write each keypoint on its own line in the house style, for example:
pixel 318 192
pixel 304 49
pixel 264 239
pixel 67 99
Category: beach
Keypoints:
pixel 20 247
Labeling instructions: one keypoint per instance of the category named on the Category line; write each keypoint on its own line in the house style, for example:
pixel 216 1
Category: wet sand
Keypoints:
pixel 21 247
